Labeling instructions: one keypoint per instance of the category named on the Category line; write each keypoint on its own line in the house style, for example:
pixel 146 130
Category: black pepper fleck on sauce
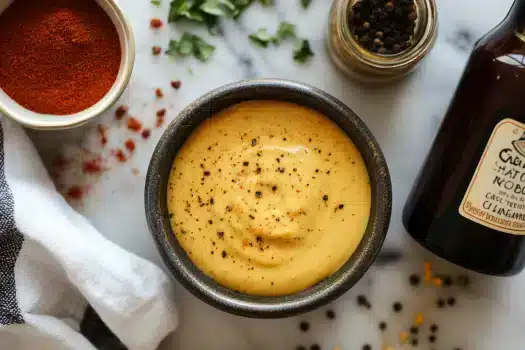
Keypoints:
pixel 367 347
pixel 434 328
pixel 415 280
pixel 382 326
pixel 397 306
pixel 274 188
pixel 300 347
pixel 224 254
pixel 315 347
pixel 207 173
pixel 330 314
pixel 362 300
pixel 325 197
pixel 341 206
pixel 304 326
pixel 254 142
pixel 414 330
pixel 432 338
pixel 251 217
pixel 451 301
pixel 258 194
pixel 440 303
pixel 414 342
pixel 245 163
pixel 220 234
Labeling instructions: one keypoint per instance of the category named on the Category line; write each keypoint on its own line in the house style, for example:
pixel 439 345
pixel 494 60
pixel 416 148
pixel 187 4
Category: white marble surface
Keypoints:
pixel 404 118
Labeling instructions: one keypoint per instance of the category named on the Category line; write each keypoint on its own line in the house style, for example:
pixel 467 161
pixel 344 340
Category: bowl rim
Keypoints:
pixel 191 278
pixel 57 122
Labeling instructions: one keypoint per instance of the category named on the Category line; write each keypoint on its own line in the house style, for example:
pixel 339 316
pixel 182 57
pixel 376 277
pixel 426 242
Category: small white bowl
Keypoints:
pixel 12 109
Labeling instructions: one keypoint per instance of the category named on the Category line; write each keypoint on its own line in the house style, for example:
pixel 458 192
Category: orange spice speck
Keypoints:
pixel 156 23
pixel 121 112
pixel 130 145
pixel 438 282
pixel 420 319
pixel 120 155
pixel 102 131
pixel 133 124
pixel 176 84
pixel 403 336
pixel 146 133
pixel 92 166
pixel 135 171
pixel 75 192
pixel 156 50
pixel 159 93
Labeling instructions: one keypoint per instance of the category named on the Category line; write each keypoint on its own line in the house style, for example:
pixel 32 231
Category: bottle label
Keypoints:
pixel 496 195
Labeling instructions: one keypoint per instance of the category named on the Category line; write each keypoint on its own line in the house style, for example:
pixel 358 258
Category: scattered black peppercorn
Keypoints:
pixel 451 301
pixel 251 217
pixel 325 197
pixel 274 188
pixel 254 142
pixel 341 206
pixel 463 281
pixel 363 301
pixel 382 326
pixel 384 27
pixel 447 281
pixel 245 163
pixel 397 306
pixel 414 330
pixel 415 280
pixel 220 234
pixel 258 194
pixel 315 347
pixel 433 328
pixel 300 347
pixel 224 254
pixel 330 314
pixel 367 347
pixel 414 342
pixel 207 173
pixel 432 338
pixel 440 303
pixel 304 326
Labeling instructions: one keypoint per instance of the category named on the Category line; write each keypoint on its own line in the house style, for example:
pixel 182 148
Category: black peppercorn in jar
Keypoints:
pixel 379 41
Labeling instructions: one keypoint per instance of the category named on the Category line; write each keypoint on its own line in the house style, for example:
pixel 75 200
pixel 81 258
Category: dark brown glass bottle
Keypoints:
pixel 468 203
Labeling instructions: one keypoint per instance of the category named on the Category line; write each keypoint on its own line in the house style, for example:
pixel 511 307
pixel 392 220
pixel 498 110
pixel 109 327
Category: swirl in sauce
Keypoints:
pixel 269 197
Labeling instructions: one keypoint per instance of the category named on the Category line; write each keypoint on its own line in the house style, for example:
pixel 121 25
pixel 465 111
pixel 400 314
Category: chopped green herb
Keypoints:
pixel 218 7
pixel 156 3
pixel 185 9
pixel 267 2
pixel 285 30
pixel 190 44
pixel 306 3
pixel 261 37
pixel 302 51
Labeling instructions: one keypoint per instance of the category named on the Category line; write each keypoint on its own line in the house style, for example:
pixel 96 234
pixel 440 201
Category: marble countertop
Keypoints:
pixel 404 117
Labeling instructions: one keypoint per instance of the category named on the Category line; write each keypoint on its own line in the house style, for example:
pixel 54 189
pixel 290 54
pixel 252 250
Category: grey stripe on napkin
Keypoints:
pixel 10 244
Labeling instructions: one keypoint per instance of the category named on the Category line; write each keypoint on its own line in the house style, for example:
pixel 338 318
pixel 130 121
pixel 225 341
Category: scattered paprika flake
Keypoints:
pixel 75 192
pixel 92 166
pixel 176 84
pixel 60 162
pixel 146 134
pixel 133 124
pixel 120 155
pixel 156 50
pixel 121 112
pixel 102 131
pixel 130 145
pixel 159 93
pixel 156 23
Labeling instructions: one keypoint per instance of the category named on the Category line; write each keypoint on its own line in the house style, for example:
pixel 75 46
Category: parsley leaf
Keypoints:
pixel 156 3
pixel 190 44
pixel 306 3
pixel 261 37
pixel 218 7
pixel 185 9
pixel 302 52
pixel 202 50
pixel 267 2
pixel 285 30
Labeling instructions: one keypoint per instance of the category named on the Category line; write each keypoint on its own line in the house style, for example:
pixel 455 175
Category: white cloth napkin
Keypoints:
pixel 53 264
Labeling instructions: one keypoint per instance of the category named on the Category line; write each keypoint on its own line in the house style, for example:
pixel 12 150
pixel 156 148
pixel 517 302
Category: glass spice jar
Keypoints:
pixel 366 66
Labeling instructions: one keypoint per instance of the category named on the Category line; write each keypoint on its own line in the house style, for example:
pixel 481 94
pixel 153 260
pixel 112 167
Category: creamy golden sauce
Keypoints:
pixel 269 198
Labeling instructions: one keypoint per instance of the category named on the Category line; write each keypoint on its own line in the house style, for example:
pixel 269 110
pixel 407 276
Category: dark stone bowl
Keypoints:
pixel 207 289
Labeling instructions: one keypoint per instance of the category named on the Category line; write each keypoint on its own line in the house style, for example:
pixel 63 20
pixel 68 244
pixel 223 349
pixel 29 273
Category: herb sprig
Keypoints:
pixel 190 44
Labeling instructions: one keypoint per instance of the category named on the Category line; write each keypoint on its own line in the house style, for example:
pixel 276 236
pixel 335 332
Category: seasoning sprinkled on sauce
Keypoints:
pixel 146 134
pixel 120 155
pixel 156 50
pixel 130 145
pixel 75 192
pixel 159 93
pixel 254 159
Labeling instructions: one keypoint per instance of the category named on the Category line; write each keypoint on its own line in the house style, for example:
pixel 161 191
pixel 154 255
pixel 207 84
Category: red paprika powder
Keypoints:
pixel 57 56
